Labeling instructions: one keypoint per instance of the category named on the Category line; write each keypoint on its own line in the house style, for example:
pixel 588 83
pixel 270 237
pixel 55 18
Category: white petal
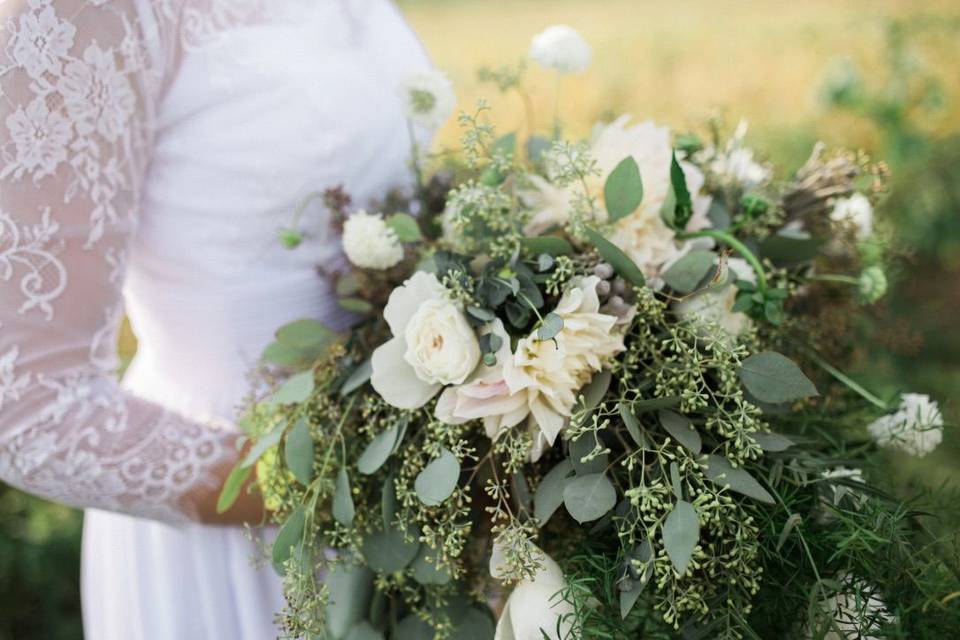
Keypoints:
pixel 407 298
pixel 395 380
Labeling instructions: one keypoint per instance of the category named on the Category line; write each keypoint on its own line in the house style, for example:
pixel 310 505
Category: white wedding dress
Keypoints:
pixel 149 151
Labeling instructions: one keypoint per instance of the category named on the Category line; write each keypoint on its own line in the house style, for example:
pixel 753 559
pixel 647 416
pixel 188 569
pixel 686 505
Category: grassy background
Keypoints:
pixel 681 63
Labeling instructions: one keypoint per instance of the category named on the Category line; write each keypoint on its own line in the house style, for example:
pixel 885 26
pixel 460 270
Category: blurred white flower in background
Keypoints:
pixel 857 212
pixel 428 98
pixel 369 242
pixel 736 163
pixel 560 47
pixel 916 427
pixel 858 612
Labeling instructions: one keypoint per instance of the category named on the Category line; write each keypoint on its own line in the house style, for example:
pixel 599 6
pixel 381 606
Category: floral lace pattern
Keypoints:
pixel 77 81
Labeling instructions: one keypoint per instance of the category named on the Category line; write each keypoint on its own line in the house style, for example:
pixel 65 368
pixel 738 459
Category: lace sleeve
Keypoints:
pixel 76 84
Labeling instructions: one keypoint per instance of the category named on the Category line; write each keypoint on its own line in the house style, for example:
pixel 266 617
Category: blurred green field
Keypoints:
pixel 682 63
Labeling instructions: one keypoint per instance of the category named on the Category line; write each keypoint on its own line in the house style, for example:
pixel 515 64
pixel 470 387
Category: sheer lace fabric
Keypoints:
pixel 81 84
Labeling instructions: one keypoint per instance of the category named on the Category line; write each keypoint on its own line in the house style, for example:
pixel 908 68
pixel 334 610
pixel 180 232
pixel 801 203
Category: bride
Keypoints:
pixel 149 151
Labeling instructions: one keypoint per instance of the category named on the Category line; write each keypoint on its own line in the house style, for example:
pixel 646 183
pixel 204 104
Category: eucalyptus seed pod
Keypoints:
pixel 603 288
pixel 620 287
pixel 603 270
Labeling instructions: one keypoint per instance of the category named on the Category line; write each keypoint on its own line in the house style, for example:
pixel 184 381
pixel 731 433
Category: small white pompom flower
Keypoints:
pixel 428 98
pixel 857 212
pixel 560 47
pixel 369 242
pixel 916 427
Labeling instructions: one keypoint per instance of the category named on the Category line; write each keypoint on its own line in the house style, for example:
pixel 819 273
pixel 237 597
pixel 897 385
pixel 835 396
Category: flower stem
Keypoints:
pixel 736 245
pixel 848 381
pixel 415 159
pixel 835 277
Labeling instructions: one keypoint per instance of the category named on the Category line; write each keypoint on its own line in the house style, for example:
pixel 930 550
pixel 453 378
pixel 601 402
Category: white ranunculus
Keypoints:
pixel 432 345
pixel 916 427
pixel 428 98
pixel 560 47
pixel 713 307
pixel 536 605
pixel 857 212
pixel 643 235
pixel 370 243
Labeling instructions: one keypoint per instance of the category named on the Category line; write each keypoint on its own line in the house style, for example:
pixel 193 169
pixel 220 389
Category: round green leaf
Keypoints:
pixel 405 226
pixel 621 263
pixel 552 245
pixel 474 625
pixel 681 430
pixel 580 448
pixel 551 326
pixel 389 551
pixel 351 588
pixel 298 452
pixel 438 479
pixel 413 628
pixel 305 333
pixel 623 189
pixel 231 488
pixel 357 378
pixel 688 272
pixel 296 389
pixel 549 495
pixel 774 378
pixel 425 570
pixel 364 631
pixel 377 451
pixel 289 537
pixel 589 497
pixel 681 532
pixel 721 472
pixel 343 509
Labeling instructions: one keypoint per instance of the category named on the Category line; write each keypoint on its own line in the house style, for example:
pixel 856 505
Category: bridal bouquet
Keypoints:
pixel 595 391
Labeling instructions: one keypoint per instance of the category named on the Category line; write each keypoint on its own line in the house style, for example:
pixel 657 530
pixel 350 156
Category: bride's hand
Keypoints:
pixel 248 507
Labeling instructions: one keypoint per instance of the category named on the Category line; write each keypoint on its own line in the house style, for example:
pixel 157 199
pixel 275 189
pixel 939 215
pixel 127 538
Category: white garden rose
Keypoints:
pixel 642 235
pixel 370 243
pixel 432 345
pixel 540 380
pixel 536 605
pixel 428 98
pixel 857 212
pixel 712 308
pixel 560 47
pixel 915 428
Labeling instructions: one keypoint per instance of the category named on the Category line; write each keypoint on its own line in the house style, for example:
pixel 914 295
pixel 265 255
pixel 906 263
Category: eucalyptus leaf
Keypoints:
pixel 474 625
pixel 506 144
pixel 628 597
pixel 289 537
pixel 549 494
pixel 363 630
pixel 589 497
pixel 231 488
pixel 305 333
pixel 623 190
pixel 357 378
pixel 681 430
pixel 484 315
pixel 350 588
pixel 787 247
pixel 389 551
pixel 675 480
pixel 388 502
pixel 594 391
pixel 683 210
pixel 721 472
pixel 343 508
pixel 405 226
pixel 581 447
pixel 552 325
pixel 298 452
pixel 413 628
pixel 774 378
pixel 425 570
pixel 296 389
pixel 261 446
pixel 632 424
pixel 284 355
pixel 621 262
pixel 688 272
pixel 536 146
pixel 355 305
pixel 377 451
pixel 772 442
pixel 681 533
pixel 551 245
pixel 438 479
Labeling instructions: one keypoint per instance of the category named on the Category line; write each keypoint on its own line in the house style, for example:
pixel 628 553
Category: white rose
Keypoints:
pixel 428 98
pixel 370 243
pixel 560 47
pixel 857 212
pixel 432 344
pixel 535 605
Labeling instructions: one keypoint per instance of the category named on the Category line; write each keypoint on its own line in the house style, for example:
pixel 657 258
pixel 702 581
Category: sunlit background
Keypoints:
pixel 878 75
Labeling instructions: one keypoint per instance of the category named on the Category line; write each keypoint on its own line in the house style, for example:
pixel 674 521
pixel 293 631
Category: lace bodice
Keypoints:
pixel 152 148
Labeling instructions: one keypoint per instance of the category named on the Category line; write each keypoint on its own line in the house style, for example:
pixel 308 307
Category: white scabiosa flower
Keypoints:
pixel 857 212
pixel 370 243
pixel 433 344
pixel 856 612
pixel 916 427
pixel 536 605
pixel 560 47
pixel 428 98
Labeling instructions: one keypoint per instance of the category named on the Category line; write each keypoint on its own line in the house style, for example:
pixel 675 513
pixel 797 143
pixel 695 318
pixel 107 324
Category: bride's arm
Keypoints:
pixel 76 83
